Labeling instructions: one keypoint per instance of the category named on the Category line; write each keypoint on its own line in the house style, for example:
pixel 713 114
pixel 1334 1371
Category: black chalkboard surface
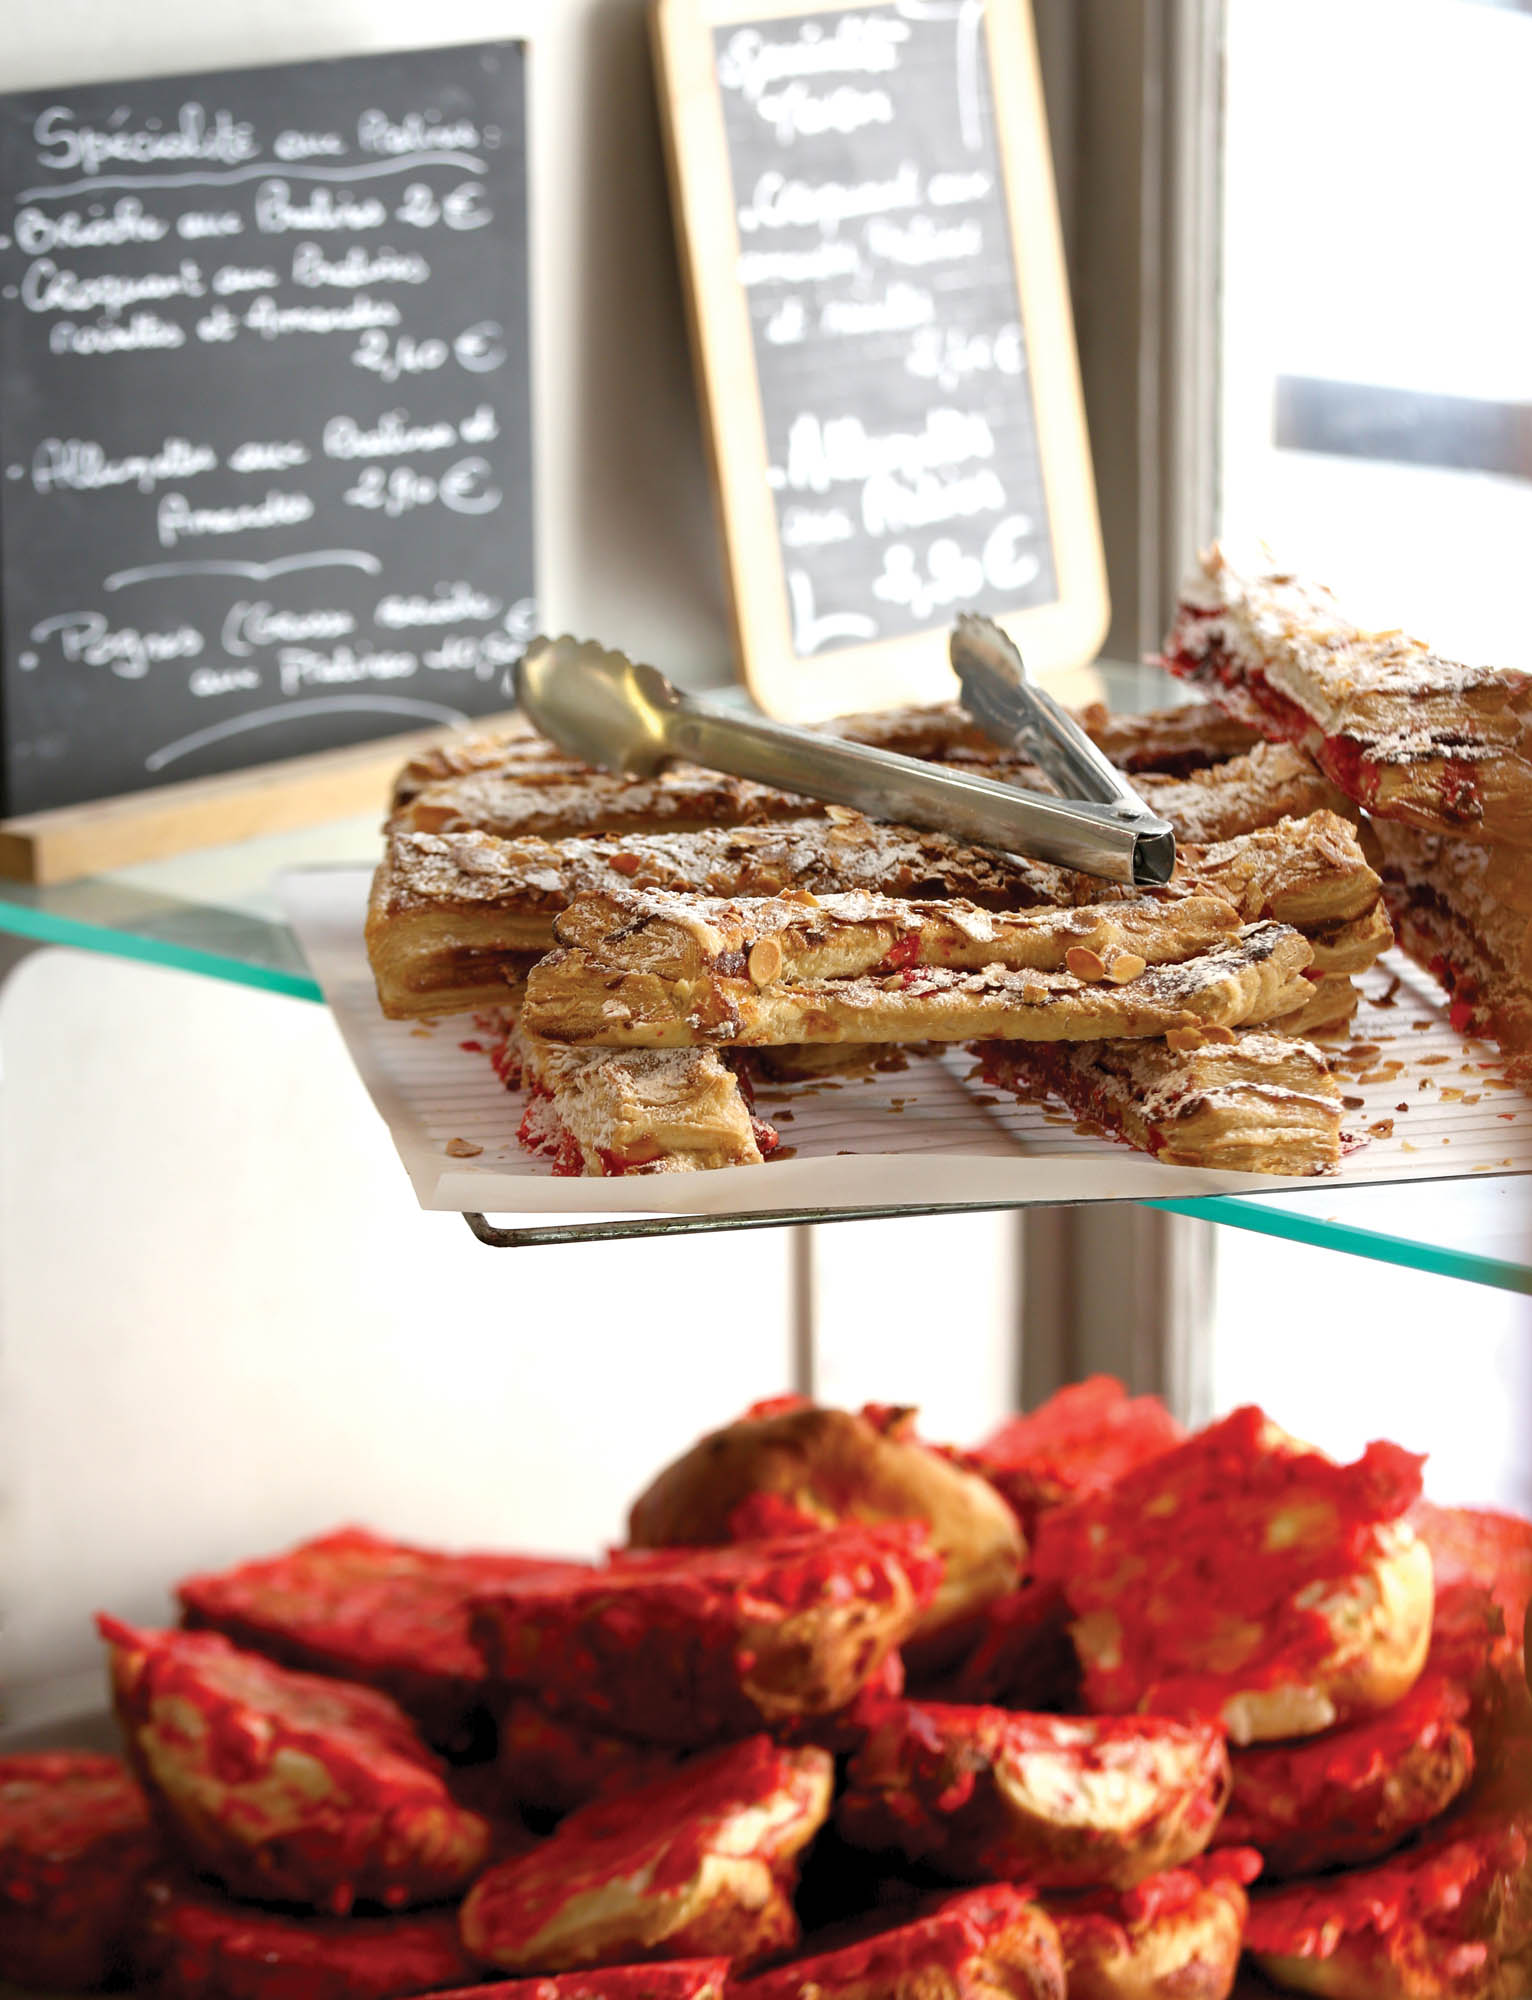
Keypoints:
pixel 883 335
pixel 264 415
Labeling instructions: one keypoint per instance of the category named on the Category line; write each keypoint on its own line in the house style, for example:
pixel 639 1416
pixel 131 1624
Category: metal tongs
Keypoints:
pixel 609 710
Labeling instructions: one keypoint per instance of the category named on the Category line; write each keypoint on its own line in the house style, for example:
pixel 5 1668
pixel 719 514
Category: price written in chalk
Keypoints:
pixel 265 407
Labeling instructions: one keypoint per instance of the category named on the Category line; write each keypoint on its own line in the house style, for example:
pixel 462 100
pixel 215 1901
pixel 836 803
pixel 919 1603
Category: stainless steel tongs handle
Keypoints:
pixel 1012 710
pixel 601 706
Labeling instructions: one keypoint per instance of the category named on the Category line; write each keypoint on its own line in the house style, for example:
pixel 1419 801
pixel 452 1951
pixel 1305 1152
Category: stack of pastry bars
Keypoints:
pixel 1438 754
pixel 646 945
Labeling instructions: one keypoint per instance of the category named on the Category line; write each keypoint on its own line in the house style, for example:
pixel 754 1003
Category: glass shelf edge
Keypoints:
pixel 1243 1212
pixel 45 927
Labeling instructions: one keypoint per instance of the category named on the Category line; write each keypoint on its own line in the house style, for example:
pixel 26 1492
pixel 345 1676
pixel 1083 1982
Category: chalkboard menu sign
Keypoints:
pixel 882 329
pixel 264 415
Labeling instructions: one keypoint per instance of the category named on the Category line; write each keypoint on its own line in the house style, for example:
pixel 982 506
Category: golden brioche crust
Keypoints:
pixel 836 1465
pixel 1244 1574
pixel 1190 1952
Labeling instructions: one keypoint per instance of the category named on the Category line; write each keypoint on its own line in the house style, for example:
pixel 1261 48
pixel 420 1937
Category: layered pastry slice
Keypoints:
pixel 1403 732
pixel 515 799
pixel 1464 912
pixel 455 917
pixel 636 1111
pixel 514 746
pixel 1169 741
pixel 662 971
pixel 1256 1103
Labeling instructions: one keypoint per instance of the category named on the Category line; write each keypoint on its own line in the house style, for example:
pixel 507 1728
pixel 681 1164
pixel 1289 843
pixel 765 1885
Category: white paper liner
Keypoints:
pixel 921 1136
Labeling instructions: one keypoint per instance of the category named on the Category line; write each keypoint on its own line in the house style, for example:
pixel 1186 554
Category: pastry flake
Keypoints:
pixel 697 1864
pixel 1246 1576
pixel 690 1646
pixel 285 1787
pixel 1060 1802
pixel 814 1467
pixel 1400 730
pixel 662 972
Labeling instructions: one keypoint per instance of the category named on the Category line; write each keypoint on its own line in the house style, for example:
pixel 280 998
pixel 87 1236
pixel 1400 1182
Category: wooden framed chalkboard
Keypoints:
pixel 864 201
pixel 265 455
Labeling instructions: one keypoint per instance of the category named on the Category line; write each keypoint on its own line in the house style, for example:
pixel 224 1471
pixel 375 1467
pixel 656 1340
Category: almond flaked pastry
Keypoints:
pixel 555 799
pixel 1400 730
pixel 636 1111
pixel 1258 1103
pixel 659 972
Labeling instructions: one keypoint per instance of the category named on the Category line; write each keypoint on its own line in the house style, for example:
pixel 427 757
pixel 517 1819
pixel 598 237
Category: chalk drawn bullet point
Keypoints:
pixel 11 292
pixel 15 472
pixel 5 243
pixel 27 660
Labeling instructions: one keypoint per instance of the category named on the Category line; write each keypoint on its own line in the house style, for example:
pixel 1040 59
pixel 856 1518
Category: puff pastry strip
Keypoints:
pixel 514 799
pixel 1257 1103
pixel 514 746
pixel 606 1112
pixel 1170 741
pixel 1405 733
pixel 1465 913
pixel 655 972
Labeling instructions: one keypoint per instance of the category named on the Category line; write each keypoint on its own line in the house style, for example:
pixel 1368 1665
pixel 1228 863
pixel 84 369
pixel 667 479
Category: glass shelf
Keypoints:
pixel 214 913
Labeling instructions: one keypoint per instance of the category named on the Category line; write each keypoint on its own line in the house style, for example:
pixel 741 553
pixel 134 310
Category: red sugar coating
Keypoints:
pixel 1447 1886
pixel 972 1944
pixel 675 1979
pixel 75 1835
pixel 637 1875
pixel 284 1786
pixel 371 1610
pixel 551 1765
pixel 1173 1890
pixel 1478 1545
pixel 1352 1793
pixel 193 1944
pixel 1025 1657
pixel 1077 1442
pixel 689 1646
pixel 1061 1802
pixel 1177 1552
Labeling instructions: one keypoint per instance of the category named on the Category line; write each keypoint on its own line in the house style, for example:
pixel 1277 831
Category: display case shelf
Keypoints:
pixel 214 913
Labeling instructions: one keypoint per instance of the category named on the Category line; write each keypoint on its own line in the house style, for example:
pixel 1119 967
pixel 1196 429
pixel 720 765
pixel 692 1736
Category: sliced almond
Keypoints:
pixel 462 1149
pixel 1085 963
pixel 1216 1032
pixel 765 961
pixel 1184 1040
pixel 1123 966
